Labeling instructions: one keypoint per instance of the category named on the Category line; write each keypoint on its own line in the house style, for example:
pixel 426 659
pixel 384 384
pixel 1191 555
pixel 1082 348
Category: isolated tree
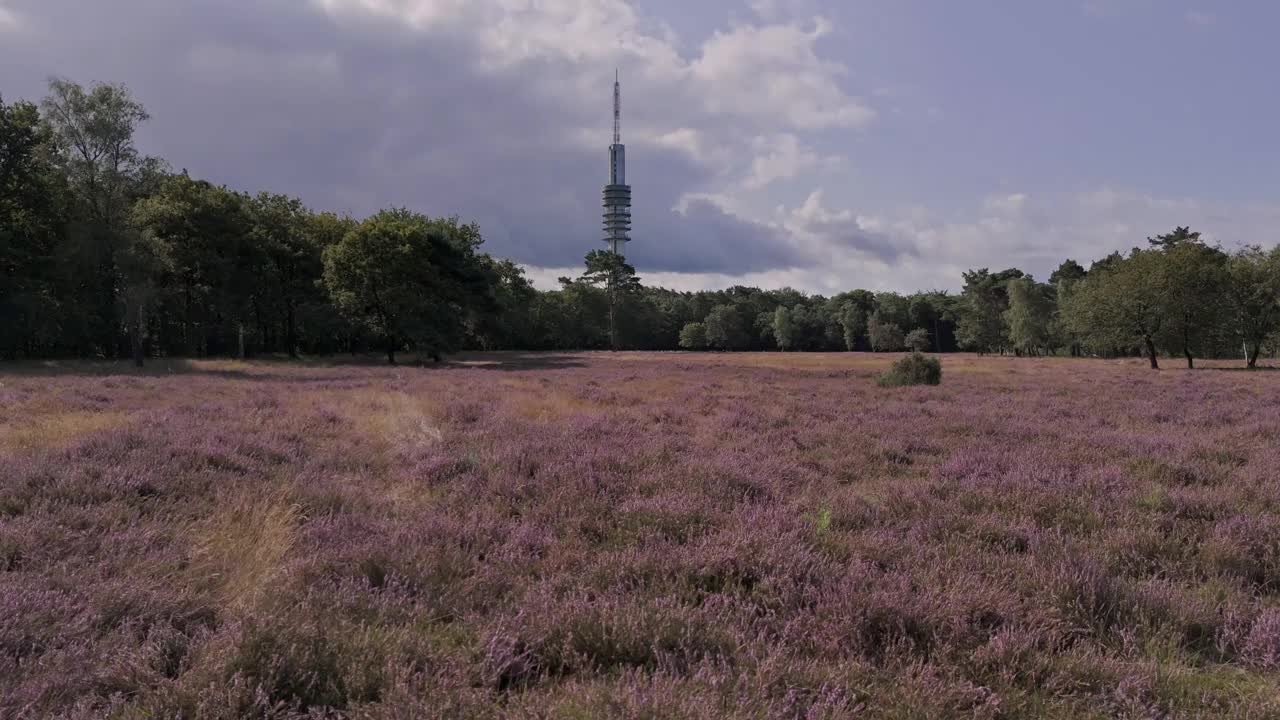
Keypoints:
pixel 1030 315
pixel 1253 297
pixel 607 268
pixel 918 340
pixel 1122 304
pixel 93 131
pixel 693 336
pixel 409 280
pixel 884 336
pixel 1196 287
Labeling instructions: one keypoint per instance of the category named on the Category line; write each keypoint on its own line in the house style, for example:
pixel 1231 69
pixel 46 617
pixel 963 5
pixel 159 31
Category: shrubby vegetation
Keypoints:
pixel 106 253
pixel 703 538
pixel 914 369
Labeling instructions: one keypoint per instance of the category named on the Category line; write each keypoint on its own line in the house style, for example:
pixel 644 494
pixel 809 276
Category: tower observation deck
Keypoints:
pixel 617 194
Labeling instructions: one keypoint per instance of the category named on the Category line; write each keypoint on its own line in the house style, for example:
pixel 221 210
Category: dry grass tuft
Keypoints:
pixel 240 550
pixel 547 404
pixel 53 430
pixel 395 418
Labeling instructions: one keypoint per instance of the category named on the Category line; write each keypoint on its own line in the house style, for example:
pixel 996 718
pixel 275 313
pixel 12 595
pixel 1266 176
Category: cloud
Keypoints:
pixel 489 109
pixel 781 157
pixel 773 73
pixel 830 234
pixel 915 249
pixel 8 19
pixel 484 109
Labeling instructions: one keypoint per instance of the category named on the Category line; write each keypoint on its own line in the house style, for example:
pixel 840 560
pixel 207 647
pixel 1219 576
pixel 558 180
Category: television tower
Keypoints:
pixel 617 194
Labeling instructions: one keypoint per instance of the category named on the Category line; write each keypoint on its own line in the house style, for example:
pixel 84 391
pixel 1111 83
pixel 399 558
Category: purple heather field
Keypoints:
pixel 639 536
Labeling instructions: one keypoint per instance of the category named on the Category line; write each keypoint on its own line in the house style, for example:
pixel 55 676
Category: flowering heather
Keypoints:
pixel 639 536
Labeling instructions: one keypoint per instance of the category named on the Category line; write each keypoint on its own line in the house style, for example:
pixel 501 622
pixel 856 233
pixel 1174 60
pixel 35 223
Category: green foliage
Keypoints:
pixel 511 326
pixel 724 329
pixel 983 303
pixel 1122 304
pixel 783 329
pixel 102 251
pixel 1030 316
pixel 914 369
pixel 853 325
pixel 693 336
pixel 1179 236
pixel 918 340
pixel 1195 279
pixel 607 268
pixel 1069 271
pixel 32 220
pixel 408 279
pixel 822 521
pixel 885 336
pixel 1253 297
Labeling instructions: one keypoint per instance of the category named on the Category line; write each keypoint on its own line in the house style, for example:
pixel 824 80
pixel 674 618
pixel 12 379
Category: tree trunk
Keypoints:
pixel 1191 363
pixel 391 350
pixel 1251 355
pixel 1151 352
pixel 290 332
pixel 240 340
pixel 188 337
pixel 613 332
pixel 136 328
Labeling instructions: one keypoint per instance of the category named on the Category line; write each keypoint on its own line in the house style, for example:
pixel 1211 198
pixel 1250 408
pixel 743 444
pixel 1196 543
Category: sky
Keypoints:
pixel 821 145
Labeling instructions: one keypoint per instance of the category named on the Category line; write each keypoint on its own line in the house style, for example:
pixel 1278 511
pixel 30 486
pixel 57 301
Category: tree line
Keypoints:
pixel 105 252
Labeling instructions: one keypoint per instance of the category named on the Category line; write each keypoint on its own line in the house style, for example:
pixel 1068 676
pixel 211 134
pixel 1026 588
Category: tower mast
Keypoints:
pixel 617 109
pixel 617 194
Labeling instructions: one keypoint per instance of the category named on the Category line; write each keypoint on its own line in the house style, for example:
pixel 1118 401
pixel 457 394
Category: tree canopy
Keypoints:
pixel 106 253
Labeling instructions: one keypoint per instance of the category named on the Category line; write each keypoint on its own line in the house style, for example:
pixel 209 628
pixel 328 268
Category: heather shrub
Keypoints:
pixel 1088 598
pixel 1248 548
pixel 914 369
pixel 1262 645
pixel 308 661
pixel 639 536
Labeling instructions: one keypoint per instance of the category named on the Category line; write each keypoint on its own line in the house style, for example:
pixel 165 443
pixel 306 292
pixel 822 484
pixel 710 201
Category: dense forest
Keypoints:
pixel 107 253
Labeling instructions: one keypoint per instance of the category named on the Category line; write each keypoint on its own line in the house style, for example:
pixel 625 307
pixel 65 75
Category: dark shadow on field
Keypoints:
pixel 1260 368
pixel 515 361
pixel 284 369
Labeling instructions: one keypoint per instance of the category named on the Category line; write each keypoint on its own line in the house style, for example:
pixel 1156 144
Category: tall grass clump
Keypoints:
pixel 914 369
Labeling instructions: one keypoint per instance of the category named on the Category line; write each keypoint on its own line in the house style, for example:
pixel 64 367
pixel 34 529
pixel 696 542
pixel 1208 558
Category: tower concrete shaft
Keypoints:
pixel 617 194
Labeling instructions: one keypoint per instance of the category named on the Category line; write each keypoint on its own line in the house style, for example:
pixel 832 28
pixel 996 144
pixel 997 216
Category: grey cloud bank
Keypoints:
pixel 499 113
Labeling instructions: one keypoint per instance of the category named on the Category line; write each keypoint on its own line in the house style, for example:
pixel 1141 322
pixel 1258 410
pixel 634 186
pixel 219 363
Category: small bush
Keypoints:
pixel 914 369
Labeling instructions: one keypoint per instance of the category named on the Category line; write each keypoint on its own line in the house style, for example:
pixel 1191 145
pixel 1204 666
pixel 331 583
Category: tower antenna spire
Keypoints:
pixel 617 194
